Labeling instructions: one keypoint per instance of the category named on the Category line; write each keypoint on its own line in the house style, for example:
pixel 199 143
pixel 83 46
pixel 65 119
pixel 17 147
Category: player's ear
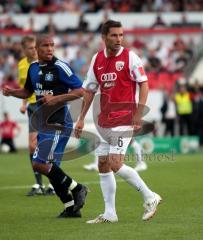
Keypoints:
pixel 103 37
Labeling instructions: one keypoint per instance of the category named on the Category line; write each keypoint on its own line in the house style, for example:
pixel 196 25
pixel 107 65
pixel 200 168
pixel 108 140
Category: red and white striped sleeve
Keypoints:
pixel 136 68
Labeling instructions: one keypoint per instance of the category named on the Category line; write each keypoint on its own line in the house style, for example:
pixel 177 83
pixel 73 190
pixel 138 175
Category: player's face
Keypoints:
pixel 30 50
pixel 113 39
pixel 45 49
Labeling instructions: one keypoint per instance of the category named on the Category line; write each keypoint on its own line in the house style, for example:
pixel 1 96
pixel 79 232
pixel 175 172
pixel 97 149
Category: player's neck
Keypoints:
pixel 111 53
pixel 41 62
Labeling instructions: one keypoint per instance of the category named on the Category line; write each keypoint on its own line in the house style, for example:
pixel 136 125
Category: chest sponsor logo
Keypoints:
pixel 39 91
pixel 109 84
pixel 108 77
pixel 49 77
pixel 119 65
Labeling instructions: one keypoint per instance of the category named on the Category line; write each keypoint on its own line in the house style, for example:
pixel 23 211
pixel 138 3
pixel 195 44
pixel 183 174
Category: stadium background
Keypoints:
pixel 167 35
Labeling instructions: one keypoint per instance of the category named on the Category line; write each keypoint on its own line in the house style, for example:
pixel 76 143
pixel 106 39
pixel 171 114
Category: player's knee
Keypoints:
pixel 104 166
pixel 115 168
pixel 35 166
pixel 116 165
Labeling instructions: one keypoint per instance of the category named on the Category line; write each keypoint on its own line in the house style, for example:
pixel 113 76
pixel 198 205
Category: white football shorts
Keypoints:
pixel 114 140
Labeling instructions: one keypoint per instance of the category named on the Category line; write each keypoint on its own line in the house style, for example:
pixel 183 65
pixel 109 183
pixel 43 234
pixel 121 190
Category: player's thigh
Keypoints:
pixel 116 161
pixel 104 164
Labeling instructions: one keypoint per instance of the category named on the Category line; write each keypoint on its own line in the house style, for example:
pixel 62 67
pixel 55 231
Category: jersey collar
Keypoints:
pixel 118 53
pixel 54 59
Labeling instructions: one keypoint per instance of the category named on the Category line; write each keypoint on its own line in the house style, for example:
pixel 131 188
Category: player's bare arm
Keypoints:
pixel 23 107
pixel 63 98
pixel 144 89
pixel 18 93
pixel 87 101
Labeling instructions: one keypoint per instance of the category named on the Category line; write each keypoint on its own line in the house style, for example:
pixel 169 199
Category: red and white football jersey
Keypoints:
pixel 116 76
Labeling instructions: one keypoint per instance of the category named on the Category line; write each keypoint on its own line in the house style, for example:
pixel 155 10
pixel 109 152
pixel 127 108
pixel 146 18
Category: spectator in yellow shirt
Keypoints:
pixel 184 110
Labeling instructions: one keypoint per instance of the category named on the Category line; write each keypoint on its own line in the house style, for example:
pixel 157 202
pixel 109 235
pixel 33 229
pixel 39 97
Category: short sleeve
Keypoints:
pixel 136 68
pixel 91 82
pixel 67 75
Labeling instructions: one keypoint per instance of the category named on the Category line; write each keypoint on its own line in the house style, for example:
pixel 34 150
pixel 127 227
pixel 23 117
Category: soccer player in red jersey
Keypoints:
pixel 116 71
pixel 7 132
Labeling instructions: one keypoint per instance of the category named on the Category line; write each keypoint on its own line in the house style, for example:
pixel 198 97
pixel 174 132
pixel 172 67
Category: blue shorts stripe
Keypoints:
pixel 51 147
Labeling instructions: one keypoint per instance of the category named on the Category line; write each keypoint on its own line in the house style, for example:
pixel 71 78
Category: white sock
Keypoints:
pixel 108 187
pixel 69 204
pixel 73 185
pixel 138 151
pixel 50 186
pixel 96 160
pixel 133 178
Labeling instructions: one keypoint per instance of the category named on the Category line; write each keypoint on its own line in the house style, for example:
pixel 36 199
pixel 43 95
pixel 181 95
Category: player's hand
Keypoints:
pixel 137 124
pixel 78 128
pixel 50 100
pixel 7 91
pixel 23 109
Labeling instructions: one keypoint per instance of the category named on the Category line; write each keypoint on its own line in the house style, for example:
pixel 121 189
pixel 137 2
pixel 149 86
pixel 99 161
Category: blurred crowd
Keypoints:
pixel 92 6
pixel 164 62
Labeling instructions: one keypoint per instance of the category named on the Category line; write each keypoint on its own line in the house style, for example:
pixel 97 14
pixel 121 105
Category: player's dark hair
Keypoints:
pixel 28 38
pixel 110 24
pixel 41 37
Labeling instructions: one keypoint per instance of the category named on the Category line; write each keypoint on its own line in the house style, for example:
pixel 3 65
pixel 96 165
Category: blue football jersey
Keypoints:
pixel 55 78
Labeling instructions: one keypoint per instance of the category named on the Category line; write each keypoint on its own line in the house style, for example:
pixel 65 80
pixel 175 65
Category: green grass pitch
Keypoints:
pixel 180 216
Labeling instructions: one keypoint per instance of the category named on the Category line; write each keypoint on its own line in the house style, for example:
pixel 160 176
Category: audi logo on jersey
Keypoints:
pixel 108 77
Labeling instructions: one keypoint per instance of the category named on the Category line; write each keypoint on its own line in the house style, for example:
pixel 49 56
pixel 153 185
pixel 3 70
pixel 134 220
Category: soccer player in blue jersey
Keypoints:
pixel 51 78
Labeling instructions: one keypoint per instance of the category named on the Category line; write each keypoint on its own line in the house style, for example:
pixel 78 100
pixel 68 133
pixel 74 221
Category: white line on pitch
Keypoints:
pixel 28 186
